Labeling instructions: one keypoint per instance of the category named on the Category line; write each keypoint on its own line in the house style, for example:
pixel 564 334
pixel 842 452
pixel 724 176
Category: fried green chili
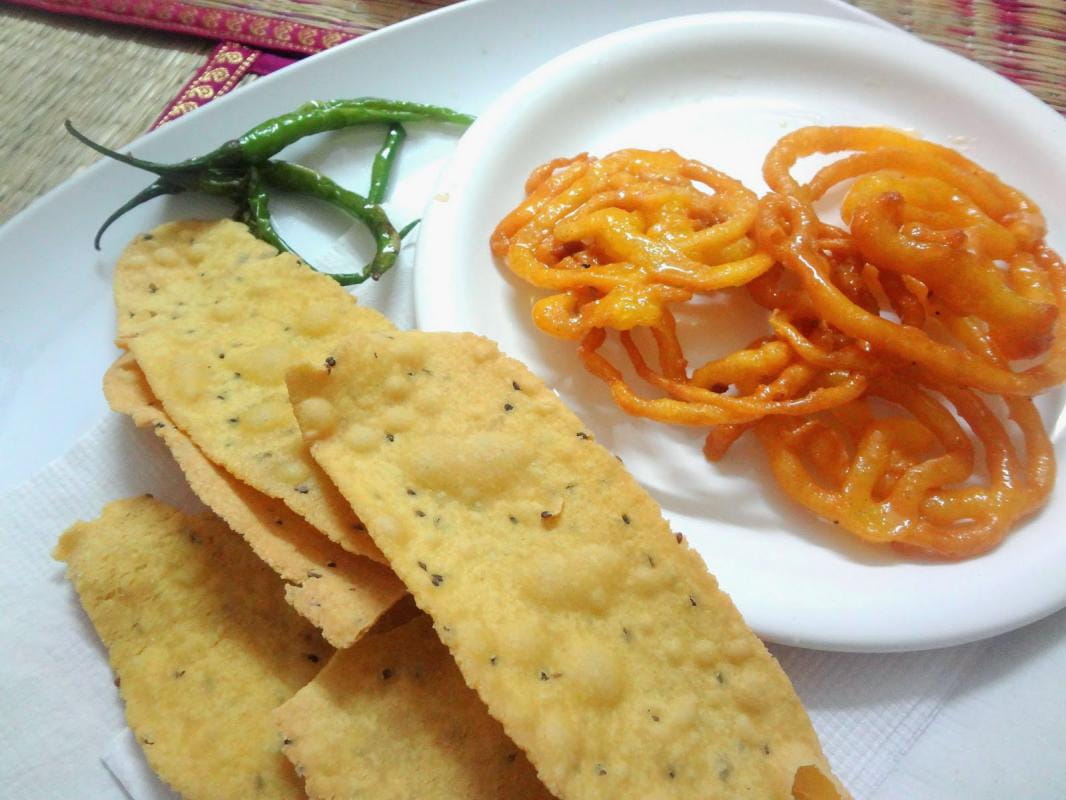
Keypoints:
pixel 318 116
pixel 264 141
pixel 301 180
pixel 242 170
pixel 384 161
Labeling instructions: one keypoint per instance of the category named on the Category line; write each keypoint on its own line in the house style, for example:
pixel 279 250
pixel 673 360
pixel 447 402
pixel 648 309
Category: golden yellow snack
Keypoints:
pixel 214 317
pixel 339 593
pixel 392 719
pixel 201 642
pixel 591 631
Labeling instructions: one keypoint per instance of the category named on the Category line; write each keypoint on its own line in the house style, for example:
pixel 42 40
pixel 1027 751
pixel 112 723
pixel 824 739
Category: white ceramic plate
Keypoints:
pixel 722 88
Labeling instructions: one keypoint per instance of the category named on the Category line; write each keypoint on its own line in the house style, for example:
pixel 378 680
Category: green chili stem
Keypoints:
pixel 211 181
pixel 220 183
pixel 410 226
pixel 256 213
pixel 384 161
pixel 153 190
pixel 125 158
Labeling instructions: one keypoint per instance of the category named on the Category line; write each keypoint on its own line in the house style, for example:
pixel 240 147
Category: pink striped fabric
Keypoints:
pixel 245 27
pixel 223 70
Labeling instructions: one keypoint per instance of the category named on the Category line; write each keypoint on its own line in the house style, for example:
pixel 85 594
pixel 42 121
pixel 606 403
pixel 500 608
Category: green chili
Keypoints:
pixel 271 137
pixel 265 140
pixel 301 180
pixel 241 170
pixel 384 161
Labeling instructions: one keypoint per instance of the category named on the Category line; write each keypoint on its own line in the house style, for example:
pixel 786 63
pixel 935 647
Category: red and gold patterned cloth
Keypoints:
pixel 251 35
pixel 225 21
pixel 223 70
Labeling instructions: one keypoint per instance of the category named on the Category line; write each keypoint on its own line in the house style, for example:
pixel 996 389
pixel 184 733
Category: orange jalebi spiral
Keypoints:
pixel 970 244
pixel 621 240
pixel 623 237
pixel 902 479
pixel 937 281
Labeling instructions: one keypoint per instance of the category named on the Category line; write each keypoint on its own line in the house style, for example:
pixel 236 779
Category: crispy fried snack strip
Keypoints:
pixel 392 719
pixel 202 644
pixel 592 632
pixel 214 317
pixel 339 593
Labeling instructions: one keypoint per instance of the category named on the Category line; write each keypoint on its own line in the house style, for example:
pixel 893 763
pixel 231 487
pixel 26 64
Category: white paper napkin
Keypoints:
pixel 59 707
pixel 869 709
pixel 126 763
pixel 1002 732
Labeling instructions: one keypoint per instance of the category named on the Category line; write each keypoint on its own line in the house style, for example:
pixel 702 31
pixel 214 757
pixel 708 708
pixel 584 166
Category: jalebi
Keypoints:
pixel 624 238
pixel 882 332
pixel 971 246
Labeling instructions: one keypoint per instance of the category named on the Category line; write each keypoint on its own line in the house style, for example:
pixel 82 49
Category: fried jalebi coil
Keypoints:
pixel 819 351
pixel 907 480
pixel 937 280
pixel 932 218
pixel 787 227
pixel 964 279
pixel 876 149
pixel 795 389
pixel 623 239
pixel 902 480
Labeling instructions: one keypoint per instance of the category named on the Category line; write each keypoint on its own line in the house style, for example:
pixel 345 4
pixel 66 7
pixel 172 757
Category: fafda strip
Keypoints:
pixel 590 630
pixel 341 594
pixel 214 317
